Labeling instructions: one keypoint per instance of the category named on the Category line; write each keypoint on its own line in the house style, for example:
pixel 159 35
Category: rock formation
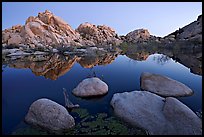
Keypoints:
pixel 90 87
pixel 98 35
pixel 157 115
pixel 139 35
pixel 49 115
pixel 44 30
pixel 47 31
pixel 192 32
pixel 163 85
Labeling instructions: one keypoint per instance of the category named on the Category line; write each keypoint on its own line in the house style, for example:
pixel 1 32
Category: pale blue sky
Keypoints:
pixel 160 18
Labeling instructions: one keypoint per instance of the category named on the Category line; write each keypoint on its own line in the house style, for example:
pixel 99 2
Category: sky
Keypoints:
pixel 160 18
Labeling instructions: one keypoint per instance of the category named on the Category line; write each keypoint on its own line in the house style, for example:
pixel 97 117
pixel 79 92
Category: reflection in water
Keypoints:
pixel 122 75
pixel 52 67
pixel 161 59
pixel 142 55
pixel 55 65
pixel 91 61
pixel 185 53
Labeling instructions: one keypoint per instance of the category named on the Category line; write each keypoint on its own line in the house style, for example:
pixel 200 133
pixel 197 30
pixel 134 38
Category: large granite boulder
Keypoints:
pixel 49 115
pixel 98 35
pixel 155 114
pixel 90 87
pixel 163 85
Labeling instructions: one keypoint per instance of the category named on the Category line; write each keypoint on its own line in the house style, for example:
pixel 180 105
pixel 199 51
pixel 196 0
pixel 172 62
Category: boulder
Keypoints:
pixel 139 35
pixel 49 115
pixel 163 85
pixel 15 40
pixel 5 37
pixel 155 114
pixel 90 87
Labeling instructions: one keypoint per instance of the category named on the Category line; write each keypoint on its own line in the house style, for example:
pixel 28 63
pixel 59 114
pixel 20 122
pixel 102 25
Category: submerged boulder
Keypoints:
pixel 49 115
pixel 163 85
pixel 157 115
pixel 91 87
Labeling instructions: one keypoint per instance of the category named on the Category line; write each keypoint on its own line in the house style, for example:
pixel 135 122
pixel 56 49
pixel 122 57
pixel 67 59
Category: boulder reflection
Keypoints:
pixel 56 65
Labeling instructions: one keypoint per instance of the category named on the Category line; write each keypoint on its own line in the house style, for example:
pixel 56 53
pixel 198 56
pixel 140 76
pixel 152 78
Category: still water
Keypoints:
pixel 24 82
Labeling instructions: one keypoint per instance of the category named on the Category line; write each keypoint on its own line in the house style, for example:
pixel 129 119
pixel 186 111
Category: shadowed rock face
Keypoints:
pixel 157 115
pixel 192 31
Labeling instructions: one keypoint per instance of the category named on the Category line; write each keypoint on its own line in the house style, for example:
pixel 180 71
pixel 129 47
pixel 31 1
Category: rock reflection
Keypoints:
pixel 56 65
pixel 188 54
pixel 52 66
pixel 90 61
pixel 139 56
pixel 161 59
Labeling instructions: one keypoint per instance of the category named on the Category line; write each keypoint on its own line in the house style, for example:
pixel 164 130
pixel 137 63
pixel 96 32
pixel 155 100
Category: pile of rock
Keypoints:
pixel 47 30
pixel 138 35
pixel 98 35
pixel 44 30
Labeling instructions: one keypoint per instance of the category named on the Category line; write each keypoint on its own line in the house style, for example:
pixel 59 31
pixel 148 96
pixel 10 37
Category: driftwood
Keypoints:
pixel 68 103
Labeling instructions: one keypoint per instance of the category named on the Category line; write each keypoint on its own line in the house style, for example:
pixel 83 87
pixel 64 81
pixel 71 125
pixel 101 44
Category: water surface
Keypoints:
pixel 24 81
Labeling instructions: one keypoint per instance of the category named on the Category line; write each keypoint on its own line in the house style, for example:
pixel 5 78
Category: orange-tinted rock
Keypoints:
pixel 15 40
pixel 138 35
pixel 99 35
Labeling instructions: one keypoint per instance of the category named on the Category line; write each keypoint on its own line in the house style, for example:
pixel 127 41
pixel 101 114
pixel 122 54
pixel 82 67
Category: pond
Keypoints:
pixel 25 80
